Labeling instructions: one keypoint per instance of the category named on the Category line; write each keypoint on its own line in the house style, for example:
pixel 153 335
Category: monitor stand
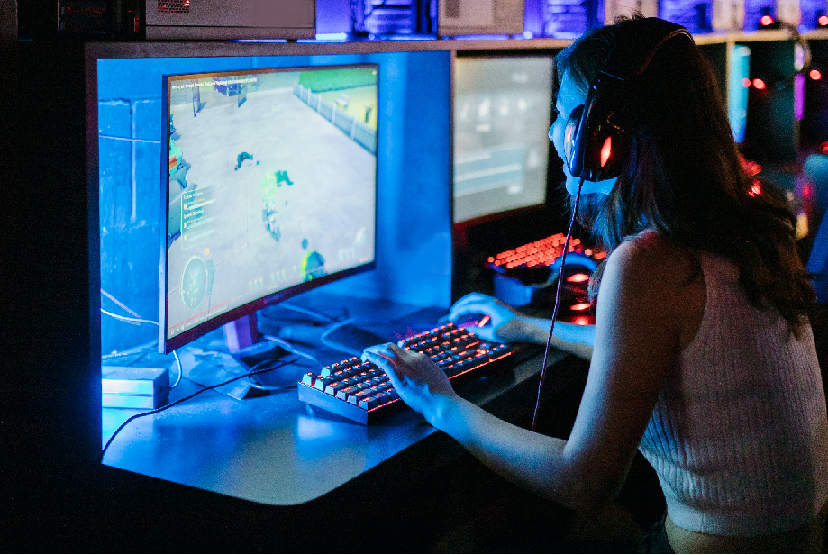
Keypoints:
pixel 243 342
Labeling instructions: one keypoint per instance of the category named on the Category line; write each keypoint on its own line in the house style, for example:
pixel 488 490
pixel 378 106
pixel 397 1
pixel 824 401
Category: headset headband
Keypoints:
pixel 599 143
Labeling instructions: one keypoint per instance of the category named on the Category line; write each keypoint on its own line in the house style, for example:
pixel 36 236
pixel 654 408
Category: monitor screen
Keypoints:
pixel 502 109
pixel 271 188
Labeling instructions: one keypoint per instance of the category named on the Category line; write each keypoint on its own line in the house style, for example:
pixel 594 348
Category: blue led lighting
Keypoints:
pixel 481 37
pixel 260 40
pixel 408 37
pixel 328 37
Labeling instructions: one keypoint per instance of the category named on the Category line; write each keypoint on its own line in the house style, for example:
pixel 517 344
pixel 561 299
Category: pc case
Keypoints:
pixel 230 19
pixel 467 17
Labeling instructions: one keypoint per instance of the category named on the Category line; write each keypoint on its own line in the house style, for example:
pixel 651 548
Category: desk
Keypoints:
pixel 276 450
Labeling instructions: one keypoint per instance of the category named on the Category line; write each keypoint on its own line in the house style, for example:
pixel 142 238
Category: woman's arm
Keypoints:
pixel 506 324
pixel 572 338
pixel 639 320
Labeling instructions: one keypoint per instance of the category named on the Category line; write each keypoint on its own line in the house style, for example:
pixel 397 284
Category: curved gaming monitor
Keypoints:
pixel 271 190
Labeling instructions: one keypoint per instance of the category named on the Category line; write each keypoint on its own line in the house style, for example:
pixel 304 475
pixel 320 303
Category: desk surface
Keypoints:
pixel 275 449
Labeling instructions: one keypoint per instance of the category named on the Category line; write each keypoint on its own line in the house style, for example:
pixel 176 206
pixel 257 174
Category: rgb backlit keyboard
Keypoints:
pixel 543 253
pixel 360 390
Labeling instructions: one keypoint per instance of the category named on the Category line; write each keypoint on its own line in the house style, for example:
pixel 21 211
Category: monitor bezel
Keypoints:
pixel 167 345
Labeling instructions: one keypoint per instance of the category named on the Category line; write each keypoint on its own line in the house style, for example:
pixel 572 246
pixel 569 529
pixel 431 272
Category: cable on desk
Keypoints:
pixel 180 369
pixel 318 315
pixel 134 351
pixel 188 397
pixel 136 320
pixel 128 320
pixel 291 349
pixel 333 344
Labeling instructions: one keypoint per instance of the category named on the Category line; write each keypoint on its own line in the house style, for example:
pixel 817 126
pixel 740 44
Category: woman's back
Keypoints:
pixel 739 435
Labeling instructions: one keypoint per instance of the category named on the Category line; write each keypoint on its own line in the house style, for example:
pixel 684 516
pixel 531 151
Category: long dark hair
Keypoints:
pixel 684 177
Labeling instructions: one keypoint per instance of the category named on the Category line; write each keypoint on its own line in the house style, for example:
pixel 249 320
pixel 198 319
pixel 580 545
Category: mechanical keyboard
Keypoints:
pixel 523 276
pixel 360 391
pixel 542 254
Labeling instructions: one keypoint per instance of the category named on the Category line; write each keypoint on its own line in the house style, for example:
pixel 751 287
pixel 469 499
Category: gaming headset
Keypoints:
pixel 595 140
pixel 596 143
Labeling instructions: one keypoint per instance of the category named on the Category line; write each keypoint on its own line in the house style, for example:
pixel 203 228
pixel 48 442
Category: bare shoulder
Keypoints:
pixel 651 261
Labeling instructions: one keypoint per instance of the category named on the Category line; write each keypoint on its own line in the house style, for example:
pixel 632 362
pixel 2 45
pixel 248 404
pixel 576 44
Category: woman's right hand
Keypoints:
pixel 502 317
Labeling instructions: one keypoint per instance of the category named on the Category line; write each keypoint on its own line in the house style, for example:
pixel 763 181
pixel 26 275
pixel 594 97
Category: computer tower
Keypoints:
pixel 468 17
pixel 230 19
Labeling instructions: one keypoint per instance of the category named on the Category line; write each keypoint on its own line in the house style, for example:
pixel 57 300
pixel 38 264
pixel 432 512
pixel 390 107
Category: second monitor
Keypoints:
pixel 502 109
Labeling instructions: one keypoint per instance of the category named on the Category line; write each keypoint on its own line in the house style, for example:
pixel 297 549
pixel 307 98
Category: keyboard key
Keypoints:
pixel 368 402
pixel 355 398
pixel 345 392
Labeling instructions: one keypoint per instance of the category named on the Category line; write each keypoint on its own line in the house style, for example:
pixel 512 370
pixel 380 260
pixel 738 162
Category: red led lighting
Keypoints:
pixel 823 20
pixel 605 154
pixel 815 74
pixel 756 188
pixel 581 320
pixel 577 278
pixel 825 147
pixel 579 307
pixel 766 20
pixel 759 84
pixel 807 191
pixel 745 82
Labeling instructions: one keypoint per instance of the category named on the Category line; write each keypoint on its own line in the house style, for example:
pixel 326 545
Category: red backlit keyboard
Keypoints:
pixel 360 391
pixel 524 275
pixel 543 253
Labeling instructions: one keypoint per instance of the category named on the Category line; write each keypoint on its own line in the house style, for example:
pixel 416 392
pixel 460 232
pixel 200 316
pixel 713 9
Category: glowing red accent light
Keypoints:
pixel 581 320
pixel 606 151
pixel 756 188
pixel 766 20
pixel 815 74
pixel 759 84
pixel 580 306
pixel 825 147
pixel 746 82
pixel 600 255
pixel 483 321
pixel 807 191
pixel 823 20
pixel 577 278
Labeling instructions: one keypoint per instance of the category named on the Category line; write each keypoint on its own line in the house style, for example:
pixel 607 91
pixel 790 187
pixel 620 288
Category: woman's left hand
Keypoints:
pixel 418 381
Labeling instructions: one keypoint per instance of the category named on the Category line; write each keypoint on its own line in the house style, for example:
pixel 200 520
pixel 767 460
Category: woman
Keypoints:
pixel 701 357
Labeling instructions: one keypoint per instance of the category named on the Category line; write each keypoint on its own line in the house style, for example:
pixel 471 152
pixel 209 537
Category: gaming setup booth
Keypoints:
pixel 226 226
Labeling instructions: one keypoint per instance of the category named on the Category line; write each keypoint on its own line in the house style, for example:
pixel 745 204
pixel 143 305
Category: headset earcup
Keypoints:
pixel 583 162
pixel 601 145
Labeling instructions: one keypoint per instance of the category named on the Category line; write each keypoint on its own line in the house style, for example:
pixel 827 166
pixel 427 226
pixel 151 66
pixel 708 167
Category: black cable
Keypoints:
pixel 557 303
pixel 202 390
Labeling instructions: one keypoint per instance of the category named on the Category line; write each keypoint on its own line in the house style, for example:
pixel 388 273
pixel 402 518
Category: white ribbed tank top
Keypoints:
pixel 739 436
